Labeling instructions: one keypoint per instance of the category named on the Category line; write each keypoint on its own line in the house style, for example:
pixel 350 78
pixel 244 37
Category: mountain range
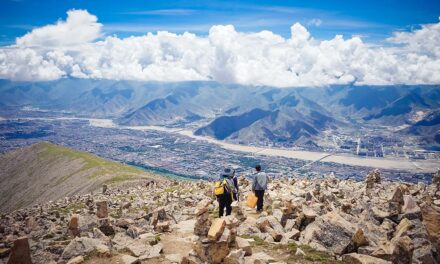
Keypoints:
pixel 246 114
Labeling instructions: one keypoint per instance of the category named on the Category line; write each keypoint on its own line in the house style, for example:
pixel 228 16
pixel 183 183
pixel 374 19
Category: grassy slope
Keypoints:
pixel 98 165
pixel 45 171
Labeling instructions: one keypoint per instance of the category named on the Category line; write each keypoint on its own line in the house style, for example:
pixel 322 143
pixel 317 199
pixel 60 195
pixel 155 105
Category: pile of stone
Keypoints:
pixel 203 221
pixel 220 245
pixel 373 178
pixel 375 221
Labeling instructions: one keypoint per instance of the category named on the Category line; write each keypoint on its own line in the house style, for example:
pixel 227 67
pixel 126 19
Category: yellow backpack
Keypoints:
pixel 219 187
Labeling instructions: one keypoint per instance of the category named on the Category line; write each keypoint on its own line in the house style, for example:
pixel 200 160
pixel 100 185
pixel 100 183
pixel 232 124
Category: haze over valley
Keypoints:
pixel 333 128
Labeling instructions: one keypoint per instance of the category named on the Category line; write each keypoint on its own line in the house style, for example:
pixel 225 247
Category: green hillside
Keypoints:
pixel 46 171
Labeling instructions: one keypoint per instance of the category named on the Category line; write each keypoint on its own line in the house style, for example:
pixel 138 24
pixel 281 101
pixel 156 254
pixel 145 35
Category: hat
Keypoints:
pixel 227 172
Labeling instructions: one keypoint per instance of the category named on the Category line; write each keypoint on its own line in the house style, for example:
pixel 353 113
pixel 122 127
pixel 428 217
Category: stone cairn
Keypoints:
pixel 203 222
pixel 372 178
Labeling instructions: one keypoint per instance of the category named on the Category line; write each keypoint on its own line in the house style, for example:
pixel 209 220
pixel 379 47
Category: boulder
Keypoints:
pixel 20 252
pixel 139 248
pixel 76 260
pixel 244 245
pixel 292 234
pixel 101 209
pixel 211 252
pixel 258 258
pixel 372 178
pixel 403 227
pixel 355 258
pixel 276 236
pixel 121 240
pixel 235 257
pixel 380 214
pixel 190 260
pixel 124 222
pixel 403 251
pixel 359 239
pixel 80 246
pixel 106 227
pixel 202 207
pixel 397 196
pixel 216 229
pixel 273 222
pixel 226 236
pixel 431 220
pixel 163 227
pixel 248 227
pixel 203 223
pixel 127 259
pixel 152 252
pixel 436 179
pixel 398 250
pixel 396 202
pixel 330 232
pixel 103 251
pixel 74 226
pixel 149 238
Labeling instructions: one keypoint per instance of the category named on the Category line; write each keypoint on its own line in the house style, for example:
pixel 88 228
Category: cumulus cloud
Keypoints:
pixel 224 55
pixel 79 27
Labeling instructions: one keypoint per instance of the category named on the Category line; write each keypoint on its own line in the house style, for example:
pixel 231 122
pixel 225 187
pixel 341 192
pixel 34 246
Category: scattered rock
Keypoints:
pixel 74 226
pixel 372 178
pixel 216 230
pixel 211 252
pixel 163 227
pixel 106 227
pixel 20 252
pixel 244 245
pixel 101 209
pixel 355 258
pixel 410 209
pixel 259 257
pixel 359 239
pixel 330 232
pixel 127 259
pixel 235 257
pixel 80 246
pixel 76 260
pixel 300 253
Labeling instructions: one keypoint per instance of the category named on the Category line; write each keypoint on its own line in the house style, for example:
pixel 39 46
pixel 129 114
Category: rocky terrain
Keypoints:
pixel 304 221
pixel 45 171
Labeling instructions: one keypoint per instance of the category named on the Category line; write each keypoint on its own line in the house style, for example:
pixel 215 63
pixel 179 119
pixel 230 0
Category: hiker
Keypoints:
pixel 259 185
pixel 225 190
pixel 236 194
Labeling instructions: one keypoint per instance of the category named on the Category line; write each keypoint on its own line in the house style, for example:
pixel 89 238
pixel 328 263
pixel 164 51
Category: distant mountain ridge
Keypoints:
pixel 226 111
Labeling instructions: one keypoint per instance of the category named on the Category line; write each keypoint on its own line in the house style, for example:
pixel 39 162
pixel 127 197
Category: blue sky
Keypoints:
pixel 373 20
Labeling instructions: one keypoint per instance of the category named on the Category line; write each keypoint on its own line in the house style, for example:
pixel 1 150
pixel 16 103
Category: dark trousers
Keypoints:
pixel 225 201
pixel 260 201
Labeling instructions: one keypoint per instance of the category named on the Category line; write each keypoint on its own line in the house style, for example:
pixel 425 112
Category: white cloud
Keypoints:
pixel 314 22
pixel 224 55
pixel 79 27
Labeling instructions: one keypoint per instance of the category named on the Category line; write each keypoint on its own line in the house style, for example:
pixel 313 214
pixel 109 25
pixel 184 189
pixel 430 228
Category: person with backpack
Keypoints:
pixel 259 186
pixel 235 181
pixel 224 191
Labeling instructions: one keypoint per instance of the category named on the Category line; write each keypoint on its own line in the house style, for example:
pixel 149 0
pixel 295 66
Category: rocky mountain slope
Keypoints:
pixel 304 221
pixel 44 172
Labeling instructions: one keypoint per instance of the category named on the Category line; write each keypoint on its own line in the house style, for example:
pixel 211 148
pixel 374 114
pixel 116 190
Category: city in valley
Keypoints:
pixel 177 152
